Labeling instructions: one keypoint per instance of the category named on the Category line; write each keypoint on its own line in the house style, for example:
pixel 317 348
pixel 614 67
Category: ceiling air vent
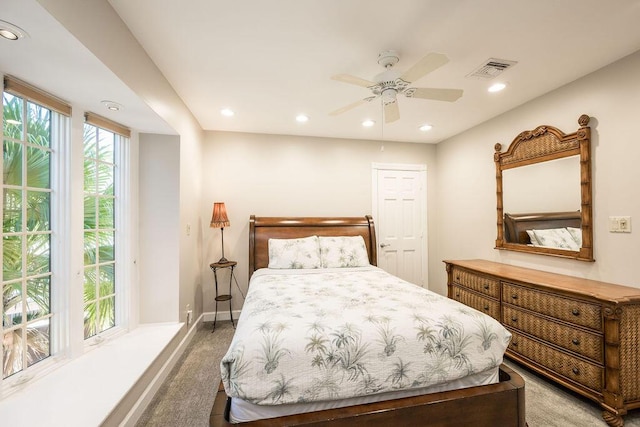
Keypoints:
pixel 491 68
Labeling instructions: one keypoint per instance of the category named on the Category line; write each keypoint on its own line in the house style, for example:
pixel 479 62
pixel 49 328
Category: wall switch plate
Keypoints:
pixel 620 224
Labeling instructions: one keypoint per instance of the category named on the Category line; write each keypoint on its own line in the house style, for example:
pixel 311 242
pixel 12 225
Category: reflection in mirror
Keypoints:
pixel 543 189
pixel 552 186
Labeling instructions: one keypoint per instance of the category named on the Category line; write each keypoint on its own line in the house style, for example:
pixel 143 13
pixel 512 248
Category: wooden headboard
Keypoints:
pixel 516 225
pixel 261 229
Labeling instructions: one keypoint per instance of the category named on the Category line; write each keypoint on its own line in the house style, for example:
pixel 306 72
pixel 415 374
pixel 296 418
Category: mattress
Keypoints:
pixel 325 338
pixel 242 411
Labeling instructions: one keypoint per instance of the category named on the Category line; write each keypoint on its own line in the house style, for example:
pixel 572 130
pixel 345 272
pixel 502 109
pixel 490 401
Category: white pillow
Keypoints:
pixel 343 251
pixel 532 237
pixel 576 233
pixel 294 253
pixel 556 238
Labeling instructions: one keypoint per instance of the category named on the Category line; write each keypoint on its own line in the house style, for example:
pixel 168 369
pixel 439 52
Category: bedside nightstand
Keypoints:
pixel 223 297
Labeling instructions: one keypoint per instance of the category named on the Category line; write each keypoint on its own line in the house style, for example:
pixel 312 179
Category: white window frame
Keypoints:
pixel 67 246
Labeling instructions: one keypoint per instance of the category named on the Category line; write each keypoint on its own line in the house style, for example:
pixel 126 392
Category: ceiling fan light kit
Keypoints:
pixel 388 84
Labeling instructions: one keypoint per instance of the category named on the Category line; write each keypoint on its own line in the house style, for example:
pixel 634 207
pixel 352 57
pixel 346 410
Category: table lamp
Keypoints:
pixel 220 220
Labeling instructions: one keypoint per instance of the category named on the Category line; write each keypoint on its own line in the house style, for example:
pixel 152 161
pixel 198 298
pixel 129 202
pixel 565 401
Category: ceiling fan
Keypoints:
pixel 388 84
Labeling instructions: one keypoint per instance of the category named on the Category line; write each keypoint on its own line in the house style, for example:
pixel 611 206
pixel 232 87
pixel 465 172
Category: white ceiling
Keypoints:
pixel 270 60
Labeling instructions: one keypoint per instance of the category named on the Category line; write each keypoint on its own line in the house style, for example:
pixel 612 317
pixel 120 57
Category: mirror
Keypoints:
pixel 543 189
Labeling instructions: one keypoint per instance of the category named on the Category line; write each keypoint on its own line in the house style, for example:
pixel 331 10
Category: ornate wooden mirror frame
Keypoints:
pixel 542 144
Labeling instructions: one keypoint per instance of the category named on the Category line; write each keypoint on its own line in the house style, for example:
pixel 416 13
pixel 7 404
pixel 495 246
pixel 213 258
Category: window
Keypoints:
pixel 45 236
pixel 30 134
pixel 103 154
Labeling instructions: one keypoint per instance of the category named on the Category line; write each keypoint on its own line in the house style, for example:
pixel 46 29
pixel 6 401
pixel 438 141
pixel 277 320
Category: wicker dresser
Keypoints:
pixel 581 333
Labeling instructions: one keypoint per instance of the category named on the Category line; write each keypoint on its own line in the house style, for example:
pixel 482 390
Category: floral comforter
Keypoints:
pixel 326 334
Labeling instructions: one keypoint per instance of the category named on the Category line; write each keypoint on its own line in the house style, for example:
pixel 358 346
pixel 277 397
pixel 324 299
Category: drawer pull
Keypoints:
pixel 486 308
pixel 486 286
pixel 457 294
pixel 514 319
pixel 514 343
pixel 575 341
pixel 458 277
pixel 575 312
pixel 514 296
pixel 576 371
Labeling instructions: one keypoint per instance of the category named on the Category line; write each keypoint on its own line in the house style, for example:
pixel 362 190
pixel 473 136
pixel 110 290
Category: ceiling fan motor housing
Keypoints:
pixel 388 58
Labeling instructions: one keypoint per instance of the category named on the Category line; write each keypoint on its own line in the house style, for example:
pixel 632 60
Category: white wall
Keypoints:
pixel 275 175
pixel 159 208
pixel 466 182
pixel 100 29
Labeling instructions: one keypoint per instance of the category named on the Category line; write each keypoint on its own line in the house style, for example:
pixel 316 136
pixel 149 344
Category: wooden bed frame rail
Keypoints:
pixel 501 404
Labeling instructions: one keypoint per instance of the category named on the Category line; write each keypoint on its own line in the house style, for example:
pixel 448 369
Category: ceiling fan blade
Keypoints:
pixel 349 107
pixel 347 78
pixel 449 95
pixel 426 65
pixel 391 112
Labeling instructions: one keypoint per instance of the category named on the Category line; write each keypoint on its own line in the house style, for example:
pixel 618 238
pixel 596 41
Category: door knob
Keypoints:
pixel 384 245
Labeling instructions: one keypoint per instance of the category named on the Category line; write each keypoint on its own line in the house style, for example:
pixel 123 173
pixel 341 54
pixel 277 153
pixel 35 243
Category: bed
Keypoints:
pixel 357 358
pixel 518 228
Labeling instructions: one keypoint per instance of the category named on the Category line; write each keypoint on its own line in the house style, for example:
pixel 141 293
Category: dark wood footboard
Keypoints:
pixel 500 404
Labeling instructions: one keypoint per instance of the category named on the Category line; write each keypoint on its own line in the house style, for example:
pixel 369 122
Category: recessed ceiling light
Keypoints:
pixel 497 87
pixel 227 112
pixel 11 32
pixel 425 127
pixel 302 118
pixel 368 123
pixel 112 106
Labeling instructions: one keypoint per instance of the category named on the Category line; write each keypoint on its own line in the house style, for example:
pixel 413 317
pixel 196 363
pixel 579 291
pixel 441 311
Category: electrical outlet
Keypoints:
pixel 189 314
pixel 620 224
pixel 188 229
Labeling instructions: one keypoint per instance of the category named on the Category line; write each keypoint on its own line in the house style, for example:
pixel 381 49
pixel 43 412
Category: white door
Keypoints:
pixel 400 216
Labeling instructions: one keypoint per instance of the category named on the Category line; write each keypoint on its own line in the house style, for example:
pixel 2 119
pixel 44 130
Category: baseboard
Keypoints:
pixel 222 315
pixel 147 396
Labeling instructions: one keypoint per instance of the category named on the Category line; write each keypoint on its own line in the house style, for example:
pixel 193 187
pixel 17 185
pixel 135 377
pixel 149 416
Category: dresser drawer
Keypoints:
pixel 585 373
pixel 479 283
pixel 567 309
pixel 477 301
pixel 585 343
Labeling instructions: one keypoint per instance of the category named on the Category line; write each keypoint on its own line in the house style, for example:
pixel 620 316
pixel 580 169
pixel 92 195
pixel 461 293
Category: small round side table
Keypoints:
pixel 215 266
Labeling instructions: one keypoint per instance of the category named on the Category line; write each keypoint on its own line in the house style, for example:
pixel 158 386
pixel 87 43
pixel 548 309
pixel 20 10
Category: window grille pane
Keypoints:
pixel 107 318
pixel 12 163
pixel 105 214
pixel 90 176
pixel 106 247
pixel 38 211
pixel 38 256
pixel 12 123
pixel 12 304
pixel 38 168
pixel 12 351
pixel 38 125
pixel 90 222
pixel 12 212
pixel 105 179
pixel 107 282
pixel 38 341
pixel 11 257
pixel 90 244
pixel 90 143
pixel 105 146
pixel 38 297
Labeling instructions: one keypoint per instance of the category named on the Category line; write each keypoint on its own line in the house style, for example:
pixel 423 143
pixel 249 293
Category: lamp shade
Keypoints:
pixel 219 217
